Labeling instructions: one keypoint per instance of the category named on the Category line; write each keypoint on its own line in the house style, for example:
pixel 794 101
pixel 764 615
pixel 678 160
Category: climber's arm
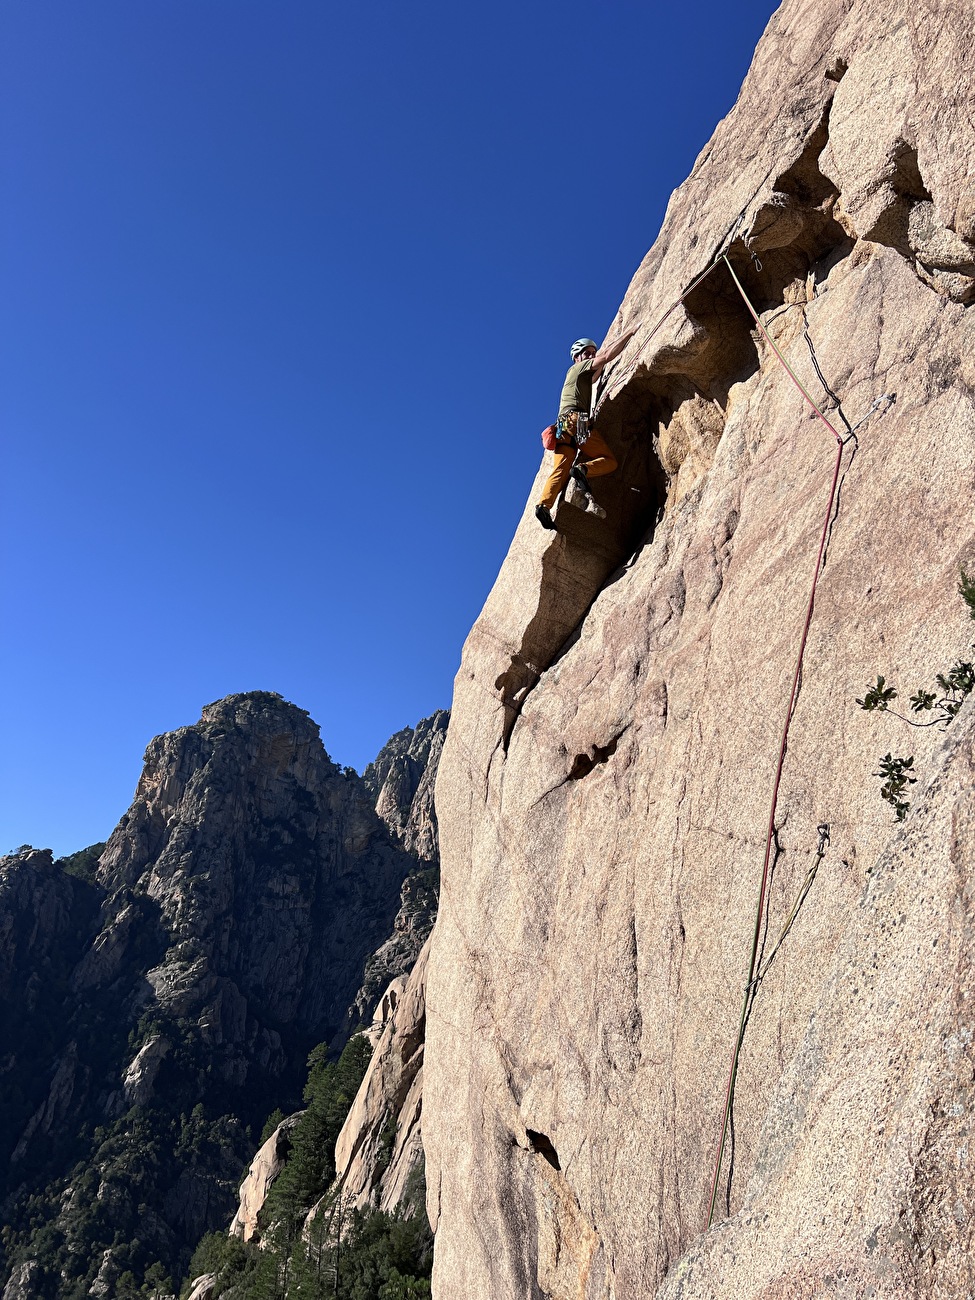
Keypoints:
pixel 610 351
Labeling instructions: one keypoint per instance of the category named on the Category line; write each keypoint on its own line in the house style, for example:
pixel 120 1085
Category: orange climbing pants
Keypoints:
pixel 595 459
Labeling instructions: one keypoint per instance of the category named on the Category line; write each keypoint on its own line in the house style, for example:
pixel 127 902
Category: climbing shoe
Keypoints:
pixel 543 517
pixel 580 494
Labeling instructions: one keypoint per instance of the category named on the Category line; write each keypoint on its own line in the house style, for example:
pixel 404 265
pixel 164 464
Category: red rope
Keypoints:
pixel 749 985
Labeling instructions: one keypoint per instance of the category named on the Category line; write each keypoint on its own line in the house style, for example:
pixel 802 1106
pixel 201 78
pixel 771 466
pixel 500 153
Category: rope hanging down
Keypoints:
pixel 618 380
pixel 750 982
pixel 754 976
pixel 807 884
pixel 727 239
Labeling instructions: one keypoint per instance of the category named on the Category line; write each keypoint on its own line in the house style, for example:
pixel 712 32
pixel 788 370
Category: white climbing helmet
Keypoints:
pixel 579 346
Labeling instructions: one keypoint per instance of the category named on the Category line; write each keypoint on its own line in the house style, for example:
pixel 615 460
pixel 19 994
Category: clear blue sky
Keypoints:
pixel 287 289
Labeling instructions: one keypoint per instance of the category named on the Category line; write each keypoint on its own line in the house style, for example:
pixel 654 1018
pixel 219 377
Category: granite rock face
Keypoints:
pixel 20 1283
pixel 379 1148
pixel 204 1287
pixel 37 902
pixel 396 958
pixel 46 920
pixel 379 1155
pixel 604 790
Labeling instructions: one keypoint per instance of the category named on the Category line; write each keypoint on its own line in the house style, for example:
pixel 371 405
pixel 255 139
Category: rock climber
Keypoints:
pixel 572 431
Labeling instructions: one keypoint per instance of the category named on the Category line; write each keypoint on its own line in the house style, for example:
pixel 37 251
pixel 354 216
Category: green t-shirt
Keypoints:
pixel 577 389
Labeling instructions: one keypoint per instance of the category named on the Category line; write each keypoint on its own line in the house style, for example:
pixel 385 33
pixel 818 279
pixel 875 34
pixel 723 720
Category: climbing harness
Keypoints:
pixel 575 431
pixel 566 432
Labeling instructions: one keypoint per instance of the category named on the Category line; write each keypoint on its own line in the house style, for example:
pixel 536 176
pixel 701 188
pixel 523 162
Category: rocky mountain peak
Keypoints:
pixel 269 868
pixel 250 756
pixel 257 710
pixel 185 973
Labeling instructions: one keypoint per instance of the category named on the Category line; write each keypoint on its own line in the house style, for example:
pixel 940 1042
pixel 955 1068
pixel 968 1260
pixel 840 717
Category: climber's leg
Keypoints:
pixel 595 457
pixel 562 458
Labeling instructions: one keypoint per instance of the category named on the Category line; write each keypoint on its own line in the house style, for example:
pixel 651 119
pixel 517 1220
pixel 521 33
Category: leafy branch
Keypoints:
pixel 895 773
pixel 943 705
pixel 955 686
pixel 966 589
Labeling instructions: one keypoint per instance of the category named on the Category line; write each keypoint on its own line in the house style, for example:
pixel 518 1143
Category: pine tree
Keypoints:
pixel 329 1092
pixel 156 1283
